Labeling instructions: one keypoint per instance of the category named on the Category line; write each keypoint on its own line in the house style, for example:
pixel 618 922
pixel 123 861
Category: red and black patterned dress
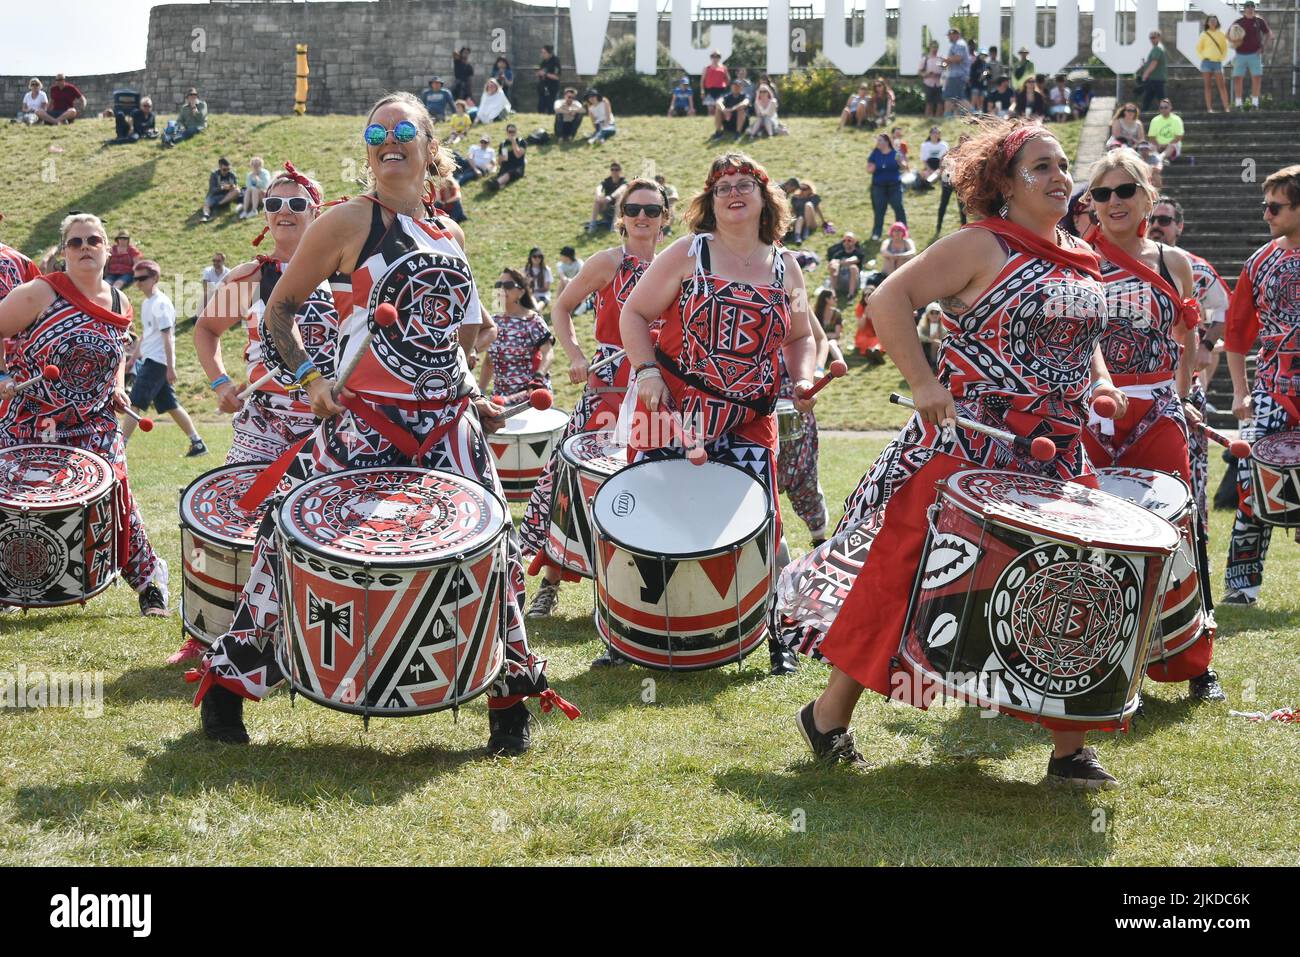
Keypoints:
pixel 796 469
pixel 1212 293
pixel 1020 359
pixel 1265 303
pixel 277 415
pixel 87 342
pixel 598 406
pixel 412 393
pixel 516 355
pixel 15 269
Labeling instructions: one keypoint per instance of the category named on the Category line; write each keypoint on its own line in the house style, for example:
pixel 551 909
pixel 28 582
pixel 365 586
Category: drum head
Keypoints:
pixel 534 422
pixel 1280 450
pixel 1066 511
pixel 595 452
pixel 1166 495
pixel 208 504
pixel 669 507
pixel 51 477
pixel 392 517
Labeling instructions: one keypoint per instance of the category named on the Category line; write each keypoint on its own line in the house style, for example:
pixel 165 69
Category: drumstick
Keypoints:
pixel 608 360
pixel 254 386
pixel 837 368
pixel 146 423
pixel 1237 448
pixel 49 374
pixel 385 315
pixel 695 451
pixel 1041 448
pixel 538 399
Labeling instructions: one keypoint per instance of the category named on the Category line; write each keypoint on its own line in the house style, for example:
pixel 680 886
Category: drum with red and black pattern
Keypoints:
pixel 684 563
pixel 217 538
pixel 584 462
pixel 1037 597
pixel 393 583
pixel 58 525
pixel 1275 479
pixel 523 446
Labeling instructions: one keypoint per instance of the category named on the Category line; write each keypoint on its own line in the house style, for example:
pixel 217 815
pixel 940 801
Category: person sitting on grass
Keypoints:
pixel 460 122
pixel 929 328
pixel 682 100
pixel 66 103
pixel 512 159
pixel 897 249
pixel 35 103
pixel 764 121
pixel 143 122
pixel 855 108
pixel 122 257
pixel 437 100
pixel 255 184
pixel 190 121
pixel 223 188
pixel 806 206
pixel 494 105
pixel 844 263
pixel 602 204
pixel 482 160
pixel 731 111
pixel 448 199
pixel 1059 108
pixel 566 268
pixel 602 117
pixel 828 314
pixel 880 104
pixel 865 341
pixel 569 112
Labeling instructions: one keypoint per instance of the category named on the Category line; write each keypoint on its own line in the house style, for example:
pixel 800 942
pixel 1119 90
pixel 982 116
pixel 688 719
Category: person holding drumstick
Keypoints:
pixel 642 214
pixel 1012 262
pixel 797 461
pixel 15 269
pixel 408 399
pixel 75 319
pixel 732 304
pixel 1150 349
pixel 519 358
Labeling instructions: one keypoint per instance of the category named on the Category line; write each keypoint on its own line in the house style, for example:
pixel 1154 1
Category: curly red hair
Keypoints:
pixel 981 166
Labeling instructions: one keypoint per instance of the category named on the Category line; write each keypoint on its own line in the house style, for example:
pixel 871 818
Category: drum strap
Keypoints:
pixel 760 408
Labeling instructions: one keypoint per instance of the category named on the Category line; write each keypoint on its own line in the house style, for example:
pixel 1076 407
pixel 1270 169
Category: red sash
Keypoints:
pixel 1188 309
pixel 1080 259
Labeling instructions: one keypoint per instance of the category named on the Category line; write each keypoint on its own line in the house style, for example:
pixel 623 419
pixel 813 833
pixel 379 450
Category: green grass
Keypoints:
pixel 711 772
pixel 156 194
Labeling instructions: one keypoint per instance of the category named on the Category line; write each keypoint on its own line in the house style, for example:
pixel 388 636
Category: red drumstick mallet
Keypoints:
pixel 538 399
pixel 48 374
pixel 836 369
pixel 145 423
pixel 695 453
pixel 1237 448
pixel 1042 448
pixel 1104 406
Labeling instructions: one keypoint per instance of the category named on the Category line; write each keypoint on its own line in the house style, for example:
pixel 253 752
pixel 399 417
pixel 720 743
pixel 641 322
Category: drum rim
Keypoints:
pixel 186 512
pixel 99 491
pixel 1188 503
pixel 580 464
pixel 391 562
pixel 958 499
pixel 1266 441
pixel 502 434
pixel 604 535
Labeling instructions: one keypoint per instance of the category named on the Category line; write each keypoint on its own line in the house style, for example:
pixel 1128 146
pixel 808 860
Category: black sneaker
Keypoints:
pixel 610 659
pixel 544 602
pixel 835 746
pixel 1081 770
pixel 153 603
pixel 197 448
pixel 781 658
pixel 222 712
pixel 509 730
pixel 1206 687
pixel 1236 597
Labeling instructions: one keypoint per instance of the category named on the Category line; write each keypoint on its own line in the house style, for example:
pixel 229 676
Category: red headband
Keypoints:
pixel 1012 144
pixel 302 181
pixel 744 168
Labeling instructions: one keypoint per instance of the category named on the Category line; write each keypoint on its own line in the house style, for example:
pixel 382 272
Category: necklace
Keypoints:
pixel 745 261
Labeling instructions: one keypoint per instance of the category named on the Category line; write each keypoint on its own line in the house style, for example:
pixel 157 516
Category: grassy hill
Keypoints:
pixel 156 194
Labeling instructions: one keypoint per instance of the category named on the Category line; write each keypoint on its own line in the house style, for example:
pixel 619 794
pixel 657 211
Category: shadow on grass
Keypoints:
pixel 103 199
pixel 1235 620
pixel 37 619
pixel 157 683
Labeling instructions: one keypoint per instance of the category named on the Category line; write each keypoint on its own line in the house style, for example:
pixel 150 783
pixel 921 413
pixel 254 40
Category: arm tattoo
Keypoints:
pixel 283 326
pixel 953 305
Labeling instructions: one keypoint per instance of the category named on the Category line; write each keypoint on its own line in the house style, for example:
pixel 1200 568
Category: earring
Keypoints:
pixel 1005 211
pixel 1142 228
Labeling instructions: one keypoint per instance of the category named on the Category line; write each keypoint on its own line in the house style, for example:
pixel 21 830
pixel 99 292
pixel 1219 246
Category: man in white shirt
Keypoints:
pixel 214 275
pixel 483 158
pixel 156 350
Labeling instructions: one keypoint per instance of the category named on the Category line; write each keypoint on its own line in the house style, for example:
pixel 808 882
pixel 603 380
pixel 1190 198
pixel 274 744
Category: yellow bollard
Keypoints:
pixel 300 88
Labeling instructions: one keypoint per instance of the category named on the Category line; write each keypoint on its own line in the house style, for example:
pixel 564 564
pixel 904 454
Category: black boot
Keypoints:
pixel 509 730
pixel 783 659
pixel 222 712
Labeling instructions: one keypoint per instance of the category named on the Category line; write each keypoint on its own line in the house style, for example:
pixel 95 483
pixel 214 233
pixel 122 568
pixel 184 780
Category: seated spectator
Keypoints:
pixel 900 144
pixel 1030 102
pixel 36 104
pixel 538 276
pixel 482 159
pixel 494 105
pixel 223 188
pixel 214 275
pixel 511 158
pixel 880 104
pixel 1166 131
pixel 1001 100
pixel 191 121
pixel 828 314
pixel 1126 127
pixel 855 108
pixel 1059 95
pixel 682 101
pixel 1081 100
pixel 1154 162
pixel 566 268
pixel 255 185
pixel 764 121
pixel 931 332
pixel 460 122
pixel 143 121
pixel 602 117
pixel 747 86
pixel 602 205
pixel 66 103
pixel 714 82
pixel 806 205
pixel 865 341
pixel 504 75
pixel 119 271
pixel 569 112
pixel 844 261
pixel 731 111
pixel 438 101
pixel 448 199
pixel 897 249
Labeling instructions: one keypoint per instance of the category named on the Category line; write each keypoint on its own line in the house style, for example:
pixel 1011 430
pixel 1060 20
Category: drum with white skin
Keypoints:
pixel 523 446
pixel 684 563
pixel 584 462
pixel 1275 479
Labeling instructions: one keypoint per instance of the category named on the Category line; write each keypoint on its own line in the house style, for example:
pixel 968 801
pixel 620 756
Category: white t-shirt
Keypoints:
pixel 212 277
pixel 482 157
pixel 932 150
pixel 33 103
pixel 157 319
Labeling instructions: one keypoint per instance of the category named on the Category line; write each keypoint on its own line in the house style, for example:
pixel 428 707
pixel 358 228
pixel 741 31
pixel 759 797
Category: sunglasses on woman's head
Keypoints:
pixel 376 134
pixel 506 284
pixel 296 204
pixel 1274 209
pixel 1102 194
pixel 76 242
pixel 742 188
pixel 652 210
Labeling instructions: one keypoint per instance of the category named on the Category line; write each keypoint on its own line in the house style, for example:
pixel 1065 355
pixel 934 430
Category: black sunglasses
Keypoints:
pixel 652 210
pixel 1273 208
pixel 1102 194
pixel 1163 220
pixel 507 284
pixel 297 204
pixel 76 242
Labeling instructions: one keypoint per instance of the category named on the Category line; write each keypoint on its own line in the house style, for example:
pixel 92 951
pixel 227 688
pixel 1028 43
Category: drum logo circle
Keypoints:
pixel 624 504
pixel 1053 329
pixel 1062 624
pixel 431 292
pixel 31 557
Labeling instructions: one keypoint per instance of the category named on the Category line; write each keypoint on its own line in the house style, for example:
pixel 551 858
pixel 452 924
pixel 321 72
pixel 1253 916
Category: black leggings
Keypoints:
pixel 943 207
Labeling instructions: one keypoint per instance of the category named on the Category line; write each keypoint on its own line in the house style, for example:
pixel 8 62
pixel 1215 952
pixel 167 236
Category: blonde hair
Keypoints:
pixel 441 165
pixel 75 218
pixel 1127 161
pixel 773 222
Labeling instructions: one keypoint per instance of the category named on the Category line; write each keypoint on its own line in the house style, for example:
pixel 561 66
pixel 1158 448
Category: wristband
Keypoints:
pixel 646 365
pixel 219 381
pixel 304 369
pixel 310 377
pixel 649 373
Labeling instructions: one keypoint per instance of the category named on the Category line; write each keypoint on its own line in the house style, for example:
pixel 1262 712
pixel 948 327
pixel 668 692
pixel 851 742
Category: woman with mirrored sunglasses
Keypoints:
pixel 409 401
pixel 1150 349
pixel 611 275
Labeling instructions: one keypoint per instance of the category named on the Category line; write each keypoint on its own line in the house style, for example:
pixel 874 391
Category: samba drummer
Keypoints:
pixel 409 397
pixel 1014 262
pixel 797 460
pixel 1150 349
pixel 610 275
pixel 77 321
pixel 732 304
pixel 1264 303
pixel 519 359
pixel 276 415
